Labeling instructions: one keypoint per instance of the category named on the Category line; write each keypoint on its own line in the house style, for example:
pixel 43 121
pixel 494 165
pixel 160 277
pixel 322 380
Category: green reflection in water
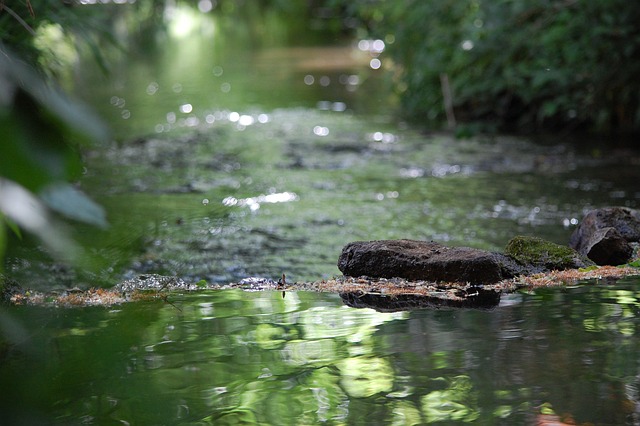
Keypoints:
pixel 456 402
pixel 364 376
pixel 231 356
pixel 179 80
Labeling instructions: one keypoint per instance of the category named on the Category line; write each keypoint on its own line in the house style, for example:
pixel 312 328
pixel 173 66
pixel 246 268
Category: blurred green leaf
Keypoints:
pixel 27 211
pixel 72 203
pixel 39 128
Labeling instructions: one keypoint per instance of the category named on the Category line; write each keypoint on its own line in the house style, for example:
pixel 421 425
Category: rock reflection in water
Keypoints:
pixel 472 297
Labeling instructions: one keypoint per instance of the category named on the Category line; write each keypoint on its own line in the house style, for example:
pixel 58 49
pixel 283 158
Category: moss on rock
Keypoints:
pixel 541 255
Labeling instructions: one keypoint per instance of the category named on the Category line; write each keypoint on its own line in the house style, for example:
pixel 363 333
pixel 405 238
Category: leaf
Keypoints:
pixel 23 208
pixel 37 127
pixel 12 226
pixel 74 204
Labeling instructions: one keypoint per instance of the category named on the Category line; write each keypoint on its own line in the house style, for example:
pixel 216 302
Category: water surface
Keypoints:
pixel 226 357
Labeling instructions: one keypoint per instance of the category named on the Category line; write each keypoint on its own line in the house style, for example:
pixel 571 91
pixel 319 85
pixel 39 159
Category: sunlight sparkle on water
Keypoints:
pixel 254 202
pixel 331 106
pixel 152 88
pixel 321 131
pixel 566 222
pixel 382 137
pixel 390 194
pixel 182 20
pixel 374 47
pixel 339 106
pixel 246 120
pixel 88 2
pixel 205 6
pixel 117 102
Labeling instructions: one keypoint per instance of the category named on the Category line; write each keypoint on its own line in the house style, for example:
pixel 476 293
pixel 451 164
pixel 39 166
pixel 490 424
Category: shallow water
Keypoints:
pixel 231 164
pixel 270 198
pixel 225 357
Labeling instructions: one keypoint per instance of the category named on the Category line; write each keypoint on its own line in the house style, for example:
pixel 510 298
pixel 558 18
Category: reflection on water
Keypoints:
pixel 254 202
pixel 229 356
pixel 184 80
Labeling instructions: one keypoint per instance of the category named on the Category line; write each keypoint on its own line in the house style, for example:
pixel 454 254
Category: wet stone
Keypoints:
pixel 537 255
pixel 421 260
pixel 606 246
pixel 605 234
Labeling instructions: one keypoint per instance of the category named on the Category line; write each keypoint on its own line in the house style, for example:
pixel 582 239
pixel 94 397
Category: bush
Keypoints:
pixel 522 65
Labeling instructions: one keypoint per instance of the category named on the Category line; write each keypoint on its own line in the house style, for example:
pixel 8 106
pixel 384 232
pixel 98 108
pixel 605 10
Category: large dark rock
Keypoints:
pixel 421 260
pixel 604 235
pixel 538 255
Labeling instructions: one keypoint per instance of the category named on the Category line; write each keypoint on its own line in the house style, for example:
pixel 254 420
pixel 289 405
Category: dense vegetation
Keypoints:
pixel 517 65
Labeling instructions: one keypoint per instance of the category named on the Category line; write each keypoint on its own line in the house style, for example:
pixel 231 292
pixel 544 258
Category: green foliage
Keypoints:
pixel 40 129
pixel 521 65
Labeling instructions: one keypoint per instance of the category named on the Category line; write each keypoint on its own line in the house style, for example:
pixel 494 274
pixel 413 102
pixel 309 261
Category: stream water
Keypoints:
pixel 236 163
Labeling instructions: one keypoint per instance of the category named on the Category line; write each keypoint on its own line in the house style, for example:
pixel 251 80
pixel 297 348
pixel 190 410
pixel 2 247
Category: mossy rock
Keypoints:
pixel 540 255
